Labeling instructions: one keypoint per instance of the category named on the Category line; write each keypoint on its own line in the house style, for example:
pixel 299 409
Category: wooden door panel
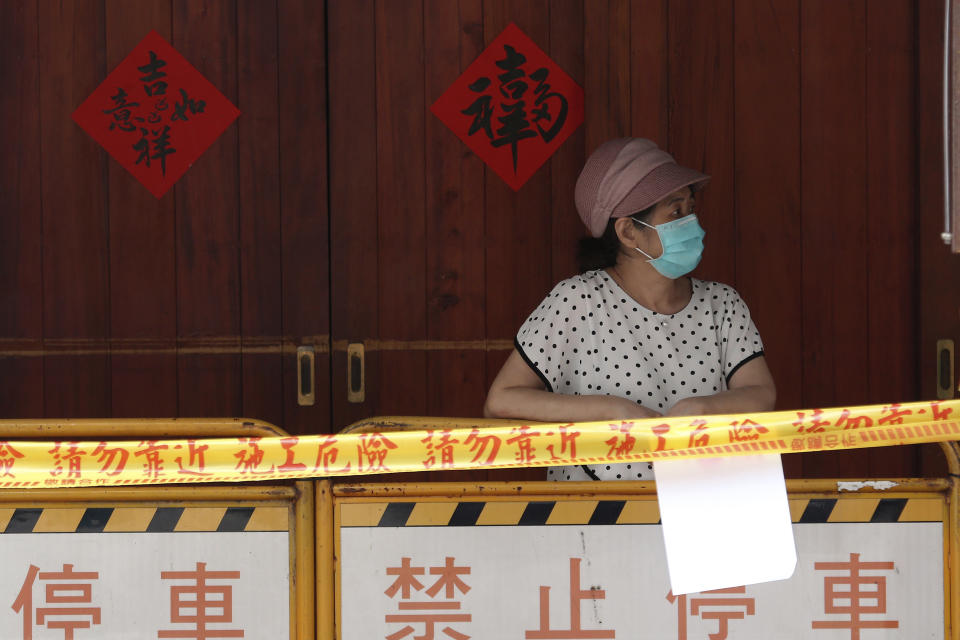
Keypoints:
pixel 518 252
pixel 566 49
pixel 606 79
pixel 649 70
pixel 767 151
pixel 701 121
pixel 354 249
pixel 21 246
pixel 261 300
pixel 143 307
pixel 938 281
pixel 207 223
pixel 75 256
pixel 401 224
pixel 303 195
pixel 455 380
pixel 892 219
pixel 834 240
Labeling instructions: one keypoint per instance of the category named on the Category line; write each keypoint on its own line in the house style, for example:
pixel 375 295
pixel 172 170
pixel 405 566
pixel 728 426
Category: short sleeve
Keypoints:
pixel 544 337
pixel 740 340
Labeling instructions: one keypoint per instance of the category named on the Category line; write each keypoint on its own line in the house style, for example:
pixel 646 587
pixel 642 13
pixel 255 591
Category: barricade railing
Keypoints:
pixel 138 559
pixel 510 542
pixel 384 445
pixel 73 487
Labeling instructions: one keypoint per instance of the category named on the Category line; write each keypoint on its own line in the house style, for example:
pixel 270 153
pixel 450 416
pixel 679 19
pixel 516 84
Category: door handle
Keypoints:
pixel 305 384
pixel 355 373
pixel 945 370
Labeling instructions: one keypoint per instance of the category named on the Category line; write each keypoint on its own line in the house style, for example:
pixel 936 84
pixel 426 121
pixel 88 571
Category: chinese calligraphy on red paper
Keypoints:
pixel 155 114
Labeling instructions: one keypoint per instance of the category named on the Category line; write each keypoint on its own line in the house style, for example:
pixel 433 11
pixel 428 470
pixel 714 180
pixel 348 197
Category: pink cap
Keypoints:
pixel 625 176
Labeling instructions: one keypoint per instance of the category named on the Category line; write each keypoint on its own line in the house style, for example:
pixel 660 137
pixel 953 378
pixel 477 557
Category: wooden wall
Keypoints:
pixel 338 209
pixel 117 304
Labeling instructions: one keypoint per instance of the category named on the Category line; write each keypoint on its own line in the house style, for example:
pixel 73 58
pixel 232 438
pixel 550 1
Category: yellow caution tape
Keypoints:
pixel 389 446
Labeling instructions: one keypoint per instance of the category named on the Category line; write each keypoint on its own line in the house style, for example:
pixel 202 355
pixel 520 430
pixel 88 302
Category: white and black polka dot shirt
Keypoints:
pixel 589 337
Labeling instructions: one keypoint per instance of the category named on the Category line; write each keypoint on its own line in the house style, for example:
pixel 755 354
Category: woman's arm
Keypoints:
pixel 517 392
pixel 751 389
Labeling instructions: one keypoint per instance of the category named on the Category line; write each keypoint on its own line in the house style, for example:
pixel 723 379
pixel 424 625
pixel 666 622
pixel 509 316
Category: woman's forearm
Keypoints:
pixel 544 406
pixel 746 399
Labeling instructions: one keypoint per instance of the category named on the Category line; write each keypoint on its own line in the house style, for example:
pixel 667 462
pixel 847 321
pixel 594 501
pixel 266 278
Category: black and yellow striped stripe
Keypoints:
pixel 587 512
pixel 867 509
pixel 142 519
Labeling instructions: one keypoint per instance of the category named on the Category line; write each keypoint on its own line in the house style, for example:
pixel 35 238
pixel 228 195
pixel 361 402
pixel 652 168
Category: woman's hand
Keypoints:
pixel 751 390
pixel 517 392
pixel 688 407
pixel 624 409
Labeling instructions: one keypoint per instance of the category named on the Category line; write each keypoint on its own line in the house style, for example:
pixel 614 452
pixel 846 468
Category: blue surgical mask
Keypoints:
pixel 682 242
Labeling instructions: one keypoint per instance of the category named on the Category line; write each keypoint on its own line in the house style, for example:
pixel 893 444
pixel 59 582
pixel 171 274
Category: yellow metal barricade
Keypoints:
pixel 554 559
pixel 152 561
pixel 401 560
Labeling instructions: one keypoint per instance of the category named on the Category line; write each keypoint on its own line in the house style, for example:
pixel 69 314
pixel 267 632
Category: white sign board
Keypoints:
pixel 126 586
pixel 872 581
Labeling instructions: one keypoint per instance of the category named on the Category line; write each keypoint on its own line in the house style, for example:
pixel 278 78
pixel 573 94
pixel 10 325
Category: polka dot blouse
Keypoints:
pixel 590 337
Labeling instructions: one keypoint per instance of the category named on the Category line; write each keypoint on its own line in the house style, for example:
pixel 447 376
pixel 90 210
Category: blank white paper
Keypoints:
pixel 726 522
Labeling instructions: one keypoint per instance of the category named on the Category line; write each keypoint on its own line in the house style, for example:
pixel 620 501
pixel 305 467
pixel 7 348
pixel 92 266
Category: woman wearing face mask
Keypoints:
pixel 632 336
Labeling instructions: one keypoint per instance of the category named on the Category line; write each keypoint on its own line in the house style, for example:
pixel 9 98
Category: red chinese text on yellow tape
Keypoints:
pixel 425 444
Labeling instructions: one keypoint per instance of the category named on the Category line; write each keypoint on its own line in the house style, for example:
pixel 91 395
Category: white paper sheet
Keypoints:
pixel 726 522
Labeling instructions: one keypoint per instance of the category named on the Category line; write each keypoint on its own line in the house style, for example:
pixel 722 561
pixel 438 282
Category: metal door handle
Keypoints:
pixel 305 386
pixel 945 372
pixel 355 373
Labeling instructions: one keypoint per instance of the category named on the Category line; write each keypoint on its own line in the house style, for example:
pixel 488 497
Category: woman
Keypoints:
pixel 632 336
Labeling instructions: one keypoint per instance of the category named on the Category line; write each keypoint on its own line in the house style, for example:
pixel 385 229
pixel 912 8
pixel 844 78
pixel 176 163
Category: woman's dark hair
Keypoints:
pixel 600 253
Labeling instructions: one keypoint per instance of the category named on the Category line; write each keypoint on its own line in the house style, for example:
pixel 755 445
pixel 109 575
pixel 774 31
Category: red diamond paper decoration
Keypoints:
pixel 155 114
pixel 513 106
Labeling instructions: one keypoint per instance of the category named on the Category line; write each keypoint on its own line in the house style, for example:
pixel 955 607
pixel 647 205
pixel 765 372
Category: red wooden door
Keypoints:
pixel 338 210
pixel 938 282
pixel 805 113
pixel 119 304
